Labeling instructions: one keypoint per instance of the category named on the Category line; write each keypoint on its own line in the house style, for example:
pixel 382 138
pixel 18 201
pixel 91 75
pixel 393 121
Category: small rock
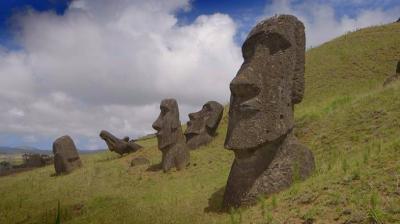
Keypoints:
pixel 306 198
pixel 309 221
pixel 356 217
pixel 139 161
pixel 347 211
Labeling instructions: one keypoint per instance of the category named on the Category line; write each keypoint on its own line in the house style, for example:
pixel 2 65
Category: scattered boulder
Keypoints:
pixel 139 161
pixel 120 146
pixel 268 157
pixel 203 124
pixel 171 141
pixel 66 157
pixel 398 20
pixel 36 160
pixel 393 77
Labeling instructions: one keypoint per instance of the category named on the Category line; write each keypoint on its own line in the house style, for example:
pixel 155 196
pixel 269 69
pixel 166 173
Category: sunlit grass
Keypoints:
pixel 349 121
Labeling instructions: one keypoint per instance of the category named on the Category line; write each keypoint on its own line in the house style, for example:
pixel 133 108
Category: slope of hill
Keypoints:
pixel 348 119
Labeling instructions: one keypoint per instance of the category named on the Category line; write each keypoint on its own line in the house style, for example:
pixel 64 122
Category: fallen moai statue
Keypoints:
pixel 120 146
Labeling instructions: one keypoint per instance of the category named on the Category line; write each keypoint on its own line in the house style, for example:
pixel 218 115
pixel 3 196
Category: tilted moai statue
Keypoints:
pixel 171 140
pixel 66 157
pixel 268 157
pixel 120 146
pixel 203 124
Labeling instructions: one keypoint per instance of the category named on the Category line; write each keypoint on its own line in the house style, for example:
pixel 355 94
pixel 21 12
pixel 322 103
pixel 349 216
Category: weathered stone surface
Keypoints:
pixel 139 161
pixel 203 124
pixel 268 157
pixel 66 157
pixel 171 140
pixel 120 146
pixel 393 77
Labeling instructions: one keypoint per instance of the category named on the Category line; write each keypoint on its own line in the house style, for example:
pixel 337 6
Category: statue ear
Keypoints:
pixel 298 78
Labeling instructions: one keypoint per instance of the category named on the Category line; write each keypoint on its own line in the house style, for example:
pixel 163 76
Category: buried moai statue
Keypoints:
pixel 171 140
pixel 268 157
pixel 203 124
pixel 66 157
pixel 393 77
pixel 120 146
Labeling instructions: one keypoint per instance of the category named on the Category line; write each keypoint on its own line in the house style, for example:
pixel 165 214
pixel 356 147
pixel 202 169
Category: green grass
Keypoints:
pixel 348 119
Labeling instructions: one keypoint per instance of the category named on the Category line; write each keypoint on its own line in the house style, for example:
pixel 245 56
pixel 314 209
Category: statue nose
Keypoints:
pixel 193 115
pixel 156 125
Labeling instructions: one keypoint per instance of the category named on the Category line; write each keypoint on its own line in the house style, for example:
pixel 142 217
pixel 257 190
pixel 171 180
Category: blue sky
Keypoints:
pixel 246 13
pixel 79 67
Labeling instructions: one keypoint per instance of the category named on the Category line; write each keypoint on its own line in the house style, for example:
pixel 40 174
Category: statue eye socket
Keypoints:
pixel 206 107
pixel 275 42
pixel 247 52
pixel 244 90
pixel 164 110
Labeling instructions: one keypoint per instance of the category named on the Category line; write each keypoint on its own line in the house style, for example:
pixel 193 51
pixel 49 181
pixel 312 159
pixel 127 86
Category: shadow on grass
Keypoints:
pixel 215 202
pixel 110 158
pixel 154 168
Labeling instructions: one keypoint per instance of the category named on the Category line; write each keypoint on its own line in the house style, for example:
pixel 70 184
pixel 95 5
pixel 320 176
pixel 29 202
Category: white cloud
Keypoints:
pixel 107 65
pixel 322 21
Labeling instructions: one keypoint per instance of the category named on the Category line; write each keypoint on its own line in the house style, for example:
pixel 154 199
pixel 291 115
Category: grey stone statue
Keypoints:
pixel 268 157
pixel 66 157
pixel 171 140
pixel 120 146
pixel 203 124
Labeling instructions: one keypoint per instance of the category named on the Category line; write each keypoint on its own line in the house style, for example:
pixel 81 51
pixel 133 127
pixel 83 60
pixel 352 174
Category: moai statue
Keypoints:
pixel 393 77
pixel 268 157
pixel 120 146
pixel 171 140
pixel 66 157
pixel 203 124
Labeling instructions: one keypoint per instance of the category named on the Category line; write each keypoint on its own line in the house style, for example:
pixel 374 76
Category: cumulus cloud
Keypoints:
pixel 323 21
pixel 108 64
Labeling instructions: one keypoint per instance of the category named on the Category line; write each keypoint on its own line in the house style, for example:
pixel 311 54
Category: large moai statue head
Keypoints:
pixel 203 124
pixel 171 140
pixel 120 146
pixel 263 94
pixel 66 157
pixel 268 84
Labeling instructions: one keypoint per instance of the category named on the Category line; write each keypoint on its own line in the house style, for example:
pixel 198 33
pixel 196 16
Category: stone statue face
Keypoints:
pixel 268 84
pixel 205 121
pixel 167 124
pixel 110 139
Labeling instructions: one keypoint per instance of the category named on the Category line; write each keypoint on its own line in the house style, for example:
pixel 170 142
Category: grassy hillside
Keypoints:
pixel 350 122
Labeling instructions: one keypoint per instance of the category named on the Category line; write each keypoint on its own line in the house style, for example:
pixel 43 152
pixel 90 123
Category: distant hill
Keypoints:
pixel 21 150
pixel 27 149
